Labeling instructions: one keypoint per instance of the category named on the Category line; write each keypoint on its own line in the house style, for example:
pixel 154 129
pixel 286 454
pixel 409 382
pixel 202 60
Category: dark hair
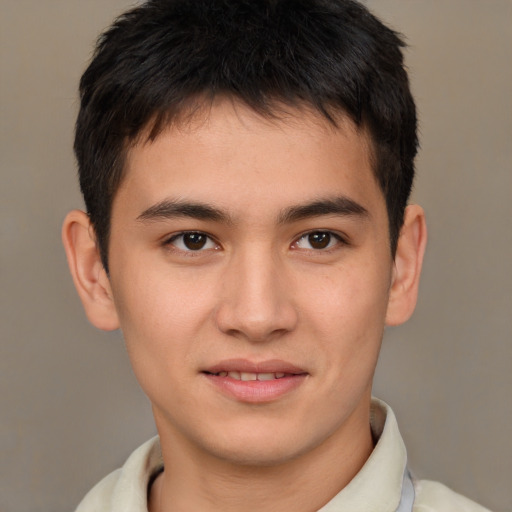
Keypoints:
pixel 160 58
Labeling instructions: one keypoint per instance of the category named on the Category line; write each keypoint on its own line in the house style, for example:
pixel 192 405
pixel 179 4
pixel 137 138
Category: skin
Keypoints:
pixel 258 290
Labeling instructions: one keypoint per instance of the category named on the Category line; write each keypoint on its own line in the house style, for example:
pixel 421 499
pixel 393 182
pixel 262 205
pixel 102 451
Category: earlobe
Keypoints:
pixel 89 275
pixel 407 266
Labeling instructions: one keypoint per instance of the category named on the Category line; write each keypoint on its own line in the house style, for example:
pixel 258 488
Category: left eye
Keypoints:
pixel 192 241
pixel 317 240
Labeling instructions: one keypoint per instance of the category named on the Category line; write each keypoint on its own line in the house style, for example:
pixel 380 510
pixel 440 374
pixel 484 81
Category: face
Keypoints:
pixel 251 270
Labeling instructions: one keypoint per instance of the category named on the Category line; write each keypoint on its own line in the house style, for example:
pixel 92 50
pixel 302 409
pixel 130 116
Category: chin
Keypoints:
pixel 270 455
pixel 259 447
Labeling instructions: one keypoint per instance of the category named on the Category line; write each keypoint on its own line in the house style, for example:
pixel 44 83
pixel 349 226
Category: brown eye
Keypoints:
pixel 319 240
pixel 194 241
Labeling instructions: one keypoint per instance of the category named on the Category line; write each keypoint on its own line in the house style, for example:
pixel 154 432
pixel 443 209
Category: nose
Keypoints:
pixel 256 300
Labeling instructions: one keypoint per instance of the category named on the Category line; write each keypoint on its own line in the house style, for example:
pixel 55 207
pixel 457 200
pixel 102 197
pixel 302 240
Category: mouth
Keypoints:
pixel 255 382
pixel 251 376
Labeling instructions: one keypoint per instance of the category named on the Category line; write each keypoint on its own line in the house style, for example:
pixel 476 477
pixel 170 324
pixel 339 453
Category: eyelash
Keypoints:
pixel 169 242
pixel 333 236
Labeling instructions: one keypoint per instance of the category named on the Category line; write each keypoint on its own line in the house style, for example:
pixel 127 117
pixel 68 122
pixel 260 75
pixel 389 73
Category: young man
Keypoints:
pixel 246 167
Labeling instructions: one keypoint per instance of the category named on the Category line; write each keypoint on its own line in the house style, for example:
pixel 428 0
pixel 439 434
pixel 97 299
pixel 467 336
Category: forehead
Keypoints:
pixel 232 156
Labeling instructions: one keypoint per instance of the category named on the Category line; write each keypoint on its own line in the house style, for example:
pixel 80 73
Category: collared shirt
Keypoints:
pixel 379 486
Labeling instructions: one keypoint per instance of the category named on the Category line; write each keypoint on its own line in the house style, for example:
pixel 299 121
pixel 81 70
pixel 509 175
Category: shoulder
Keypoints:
pixel 125 490
pixel 436 497
pixel 98 499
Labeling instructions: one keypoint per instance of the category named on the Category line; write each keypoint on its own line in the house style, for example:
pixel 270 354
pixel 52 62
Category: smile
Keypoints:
pixel 248 376
pixel 254 383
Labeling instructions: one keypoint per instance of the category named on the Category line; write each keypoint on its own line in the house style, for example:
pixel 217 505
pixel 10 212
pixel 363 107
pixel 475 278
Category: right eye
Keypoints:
pixel 192 241
pixel 318 241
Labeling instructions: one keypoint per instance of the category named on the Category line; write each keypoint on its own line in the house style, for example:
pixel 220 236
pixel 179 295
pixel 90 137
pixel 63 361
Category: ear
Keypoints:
pixel 407 266
pixel 89 275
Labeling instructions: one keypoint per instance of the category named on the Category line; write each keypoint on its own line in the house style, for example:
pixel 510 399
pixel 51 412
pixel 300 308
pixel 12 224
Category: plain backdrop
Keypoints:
pixel 71 410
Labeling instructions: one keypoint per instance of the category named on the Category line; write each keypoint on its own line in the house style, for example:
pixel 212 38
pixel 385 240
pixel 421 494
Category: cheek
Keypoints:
pixel 155 297
pixel 348 313
pixel 162 317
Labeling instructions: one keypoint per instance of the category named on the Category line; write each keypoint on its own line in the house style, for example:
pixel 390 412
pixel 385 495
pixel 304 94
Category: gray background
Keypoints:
pixel 71 410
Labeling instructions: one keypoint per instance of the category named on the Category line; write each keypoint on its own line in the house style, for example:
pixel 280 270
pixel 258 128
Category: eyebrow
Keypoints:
pixel 169 209
pixel 172 208
pixel 342 205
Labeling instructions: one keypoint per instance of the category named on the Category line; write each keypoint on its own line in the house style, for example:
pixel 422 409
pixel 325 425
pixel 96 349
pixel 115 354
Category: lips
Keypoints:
pixel 248 376
pixel 273 366
pixel 255 382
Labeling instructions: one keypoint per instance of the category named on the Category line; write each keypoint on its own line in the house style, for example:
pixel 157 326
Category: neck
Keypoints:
pixel 197 481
